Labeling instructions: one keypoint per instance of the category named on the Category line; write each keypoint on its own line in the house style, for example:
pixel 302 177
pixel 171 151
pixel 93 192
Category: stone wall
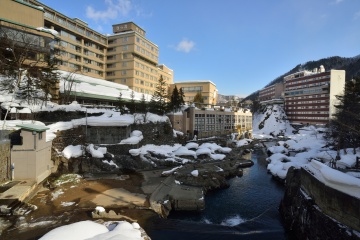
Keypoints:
pixel 303 218
pixel 5 174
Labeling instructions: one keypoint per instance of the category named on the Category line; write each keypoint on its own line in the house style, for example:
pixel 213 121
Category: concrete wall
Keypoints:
pixel 337 87
pixel 5 174
pixel 336 204
pixel 106 135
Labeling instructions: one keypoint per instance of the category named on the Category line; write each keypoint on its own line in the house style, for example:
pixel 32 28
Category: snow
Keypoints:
pixel 52 31
pixel 123 230
pixel 243 142
pixel 192 145
pixel 195 173
pixel 100 209
pixel 171 171
pixel 111 163
pixel 309 149
pixel 334 178
pixel 183 151
pixel 72 151
pixel 135 137
pixel 96 152
pixel 271 122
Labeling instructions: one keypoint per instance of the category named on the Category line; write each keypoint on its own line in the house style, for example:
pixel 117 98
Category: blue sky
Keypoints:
pixel 240 45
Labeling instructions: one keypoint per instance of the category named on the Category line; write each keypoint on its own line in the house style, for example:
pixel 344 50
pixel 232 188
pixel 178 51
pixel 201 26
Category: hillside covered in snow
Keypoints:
pixel 271 120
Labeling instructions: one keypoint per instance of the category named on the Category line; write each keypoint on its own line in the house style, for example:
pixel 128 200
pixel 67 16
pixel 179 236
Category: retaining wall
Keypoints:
pixel 338 205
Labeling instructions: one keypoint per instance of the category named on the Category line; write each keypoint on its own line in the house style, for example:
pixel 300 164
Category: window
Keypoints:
pixel 123 72
pixel 40 136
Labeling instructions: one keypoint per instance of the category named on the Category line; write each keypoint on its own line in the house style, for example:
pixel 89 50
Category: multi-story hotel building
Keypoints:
pixel 212 121
pixel 132 59
pixel 127 57
pixel 271 93
pixel 191 88
pixel 310 96
pixel 79 48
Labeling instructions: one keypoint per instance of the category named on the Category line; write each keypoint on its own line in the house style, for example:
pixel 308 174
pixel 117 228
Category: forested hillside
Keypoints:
pixel 350 65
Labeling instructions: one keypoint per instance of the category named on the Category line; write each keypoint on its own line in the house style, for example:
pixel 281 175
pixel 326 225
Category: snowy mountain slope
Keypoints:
pixel 271 120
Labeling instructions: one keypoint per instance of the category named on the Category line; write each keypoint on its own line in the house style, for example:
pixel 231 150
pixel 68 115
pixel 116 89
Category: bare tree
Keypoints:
pixel 21 55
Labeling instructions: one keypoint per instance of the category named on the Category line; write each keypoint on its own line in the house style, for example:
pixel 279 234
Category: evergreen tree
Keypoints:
pixel 198 99
pixel 143 106
pixel 181 97
pixel 158 103
pixel 121 103
pixel 344 129
pixel 175 100
pixel 132 103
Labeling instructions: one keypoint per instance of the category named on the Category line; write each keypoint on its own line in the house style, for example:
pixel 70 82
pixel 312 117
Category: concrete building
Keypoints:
pixel 310 95
pixel 31 154
pixel 77 47
pixel 132 59
pixel 215 121
pixel 272 93
pixel 190 88
pixel 126 57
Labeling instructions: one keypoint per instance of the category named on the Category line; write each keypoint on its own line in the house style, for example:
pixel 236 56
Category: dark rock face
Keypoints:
pixel 303 219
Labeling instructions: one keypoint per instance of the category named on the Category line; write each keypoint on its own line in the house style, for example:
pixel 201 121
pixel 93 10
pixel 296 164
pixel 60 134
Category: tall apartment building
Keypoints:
pixel 271 93
pixel 207 89
pixel 132 59
pixel 127 57
pixel 79 48
pixel 310 96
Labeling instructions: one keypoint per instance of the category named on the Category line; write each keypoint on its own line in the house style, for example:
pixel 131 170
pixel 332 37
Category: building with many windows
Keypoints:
pixel 272 93
pixel 215 121
pixel 310 95
pixel 126 57
pixel 132 59
pixel 207 89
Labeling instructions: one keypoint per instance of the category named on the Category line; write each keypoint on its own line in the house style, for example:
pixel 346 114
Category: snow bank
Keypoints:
pixel 335 179
pixel 96 152
pixel 94 231
pixel 72 151
pixel 135 137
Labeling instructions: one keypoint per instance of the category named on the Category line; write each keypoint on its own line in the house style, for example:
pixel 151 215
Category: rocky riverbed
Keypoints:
pixel 134 194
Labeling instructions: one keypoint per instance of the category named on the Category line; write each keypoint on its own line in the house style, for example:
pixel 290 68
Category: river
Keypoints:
pixel 248 209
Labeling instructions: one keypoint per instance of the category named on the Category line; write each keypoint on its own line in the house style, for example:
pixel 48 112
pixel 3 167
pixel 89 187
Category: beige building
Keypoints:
pixel 79 48
pixel 32 156
pixel 310 95
pixel 190 88
pixel 215 121
pixel 132 59
pixel 125 57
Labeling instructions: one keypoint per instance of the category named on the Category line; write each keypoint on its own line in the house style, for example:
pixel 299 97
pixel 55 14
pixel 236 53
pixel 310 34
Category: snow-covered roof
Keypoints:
pixel 195 81
pixel 91 87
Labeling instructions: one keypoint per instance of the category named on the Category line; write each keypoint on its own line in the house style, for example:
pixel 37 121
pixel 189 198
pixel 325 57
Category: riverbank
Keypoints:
pixel 74 197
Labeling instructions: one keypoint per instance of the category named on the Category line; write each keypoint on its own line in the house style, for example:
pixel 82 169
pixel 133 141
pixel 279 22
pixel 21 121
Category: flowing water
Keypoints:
pixel 248 209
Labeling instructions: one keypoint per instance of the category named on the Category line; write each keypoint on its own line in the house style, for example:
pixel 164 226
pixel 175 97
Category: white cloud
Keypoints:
pixel 185 46
pixel 113 10
pixel 357 15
